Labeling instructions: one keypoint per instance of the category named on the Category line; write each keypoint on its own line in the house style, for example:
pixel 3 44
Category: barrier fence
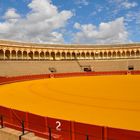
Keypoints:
pixel 57 129
pixel 6 80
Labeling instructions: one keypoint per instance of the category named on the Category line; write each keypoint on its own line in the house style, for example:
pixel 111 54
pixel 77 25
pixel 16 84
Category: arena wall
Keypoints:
pixel 36 61
pixel 18 68
pixel 18 58
pixel 26 51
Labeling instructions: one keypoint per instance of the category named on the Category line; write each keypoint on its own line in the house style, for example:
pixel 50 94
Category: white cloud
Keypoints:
pixel 129 5
pixel 77 26
pixel 120 6
pixel 39 25
pixel 111 32
pixel 133 16
pixel 11 15
pixel 126 4
pixel 82 2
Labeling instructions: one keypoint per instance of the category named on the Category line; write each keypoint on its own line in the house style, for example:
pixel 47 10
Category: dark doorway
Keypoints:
pixel 130 67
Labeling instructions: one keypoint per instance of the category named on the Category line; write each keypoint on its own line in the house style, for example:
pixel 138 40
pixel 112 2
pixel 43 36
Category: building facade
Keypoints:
pixel 25 51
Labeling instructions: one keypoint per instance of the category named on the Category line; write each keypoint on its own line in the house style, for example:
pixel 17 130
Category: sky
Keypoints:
pixel 70 21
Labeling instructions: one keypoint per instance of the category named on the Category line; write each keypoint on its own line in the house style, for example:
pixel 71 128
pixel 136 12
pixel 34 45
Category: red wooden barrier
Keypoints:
pixel 17 118
pixel 59 75
pixel 120 134
pixel 135 72
pixel 7 114
pixel 36 119
pixel 83 130
pixel 61 127
pixel 37 124
pixel 2 79
pixel 7 80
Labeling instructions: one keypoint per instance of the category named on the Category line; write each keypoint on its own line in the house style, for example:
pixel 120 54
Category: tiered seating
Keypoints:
pixel 17 68
pixel 111 65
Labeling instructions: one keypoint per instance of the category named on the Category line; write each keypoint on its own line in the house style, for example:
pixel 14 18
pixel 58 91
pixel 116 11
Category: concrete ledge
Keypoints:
pixel 11 134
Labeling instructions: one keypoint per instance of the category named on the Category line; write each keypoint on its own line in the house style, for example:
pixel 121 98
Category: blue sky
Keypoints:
pixel 70 21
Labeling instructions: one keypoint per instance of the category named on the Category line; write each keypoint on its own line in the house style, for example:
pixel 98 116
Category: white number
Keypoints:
pixel 58 126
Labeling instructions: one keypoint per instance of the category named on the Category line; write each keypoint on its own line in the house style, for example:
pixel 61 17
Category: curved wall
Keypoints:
pixel 18 68
pixel 19 51
pixel 27 59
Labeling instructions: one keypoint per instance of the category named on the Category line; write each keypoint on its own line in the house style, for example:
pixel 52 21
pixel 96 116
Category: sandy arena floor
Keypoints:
pixel 102 100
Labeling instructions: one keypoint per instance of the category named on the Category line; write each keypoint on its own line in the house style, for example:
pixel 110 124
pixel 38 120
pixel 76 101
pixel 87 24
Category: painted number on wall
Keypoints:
pixel 58 125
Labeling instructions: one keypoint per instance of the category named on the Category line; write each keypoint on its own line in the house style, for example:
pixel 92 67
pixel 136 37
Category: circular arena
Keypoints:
pixel 112 101
pixel 84 94
pixel 106 101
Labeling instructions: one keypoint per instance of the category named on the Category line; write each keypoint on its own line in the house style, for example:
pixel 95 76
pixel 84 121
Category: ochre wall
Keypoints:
pixel 17 68
pixel 27 58
pixel 24 51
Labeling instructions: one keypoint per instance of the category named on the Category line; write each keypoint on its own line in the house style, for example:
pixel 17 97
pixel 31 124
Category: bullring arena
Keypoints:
pixel 69 92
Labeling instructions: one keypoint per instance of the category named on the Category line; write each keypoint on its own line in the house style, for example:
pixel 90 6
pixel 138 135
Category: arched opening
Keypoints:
pixel 101 54
pixel 58 55
pixel 68 55
pixel 132 53
pixel 123 54
pixel 78 55
pixel 47 55
pixel 30 54
pixel 24 55
pixel 1 54
pixel 109 54
pixel 83 55
pixel 137 53
pixel 92 55
pixel 7 54
pixel 114 54
pixel 96 54
pixel 73 55
pixel 128 53
pixel 13 54
pixel 19 54
pixel 63 55
pixel 53 55
pixel 36 54
pixel 105 54
pixel 118 54
pixel 42 55
pixel 87 55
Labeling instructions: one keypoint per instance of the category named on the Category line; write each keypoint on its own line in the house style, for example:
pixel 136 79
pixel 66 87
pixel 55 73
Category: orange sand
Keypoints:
pixel 102 100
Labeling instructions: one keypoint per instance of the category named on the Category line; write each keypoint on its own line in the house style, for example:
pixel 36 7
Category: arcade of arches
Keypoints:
pixel 8 52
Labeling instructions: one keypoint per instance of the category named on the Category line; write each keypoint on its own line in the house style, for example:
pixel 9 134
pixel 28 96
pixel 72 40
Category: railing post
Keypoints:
pixel 23 129
pixel 22 125
pixel 72 131
pixel 1 120
pixel 50 134
pixel 104 133
pixel 87 137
